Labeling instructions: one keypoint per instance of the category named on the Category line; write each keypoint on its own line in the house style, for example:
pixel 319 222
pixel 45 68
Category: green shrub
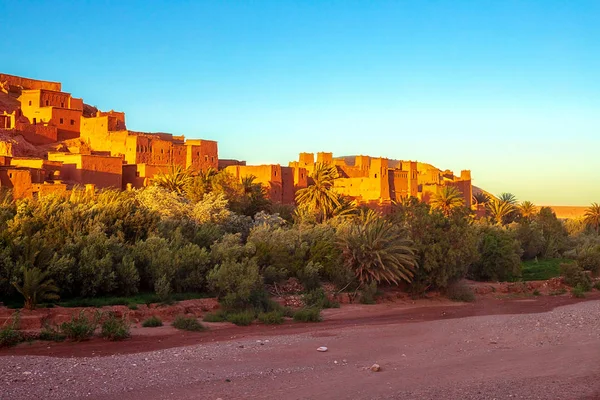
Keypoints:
pixel 589 258
pixel 51 334
pixel 114 328
pixel 217 316
pixel 271 318
pixel 187 324
pixel 152 322
pixel 308 314
pixel 9 335
pixel 80 328
pixel 536 293
pixel 574 275
pixel 162 287
pixel 460 292
pixel 368 293
pixel 132 306
pixel 242 318
pixel 500 256
pixel 578 291
pixel 597 285
pixel 318 298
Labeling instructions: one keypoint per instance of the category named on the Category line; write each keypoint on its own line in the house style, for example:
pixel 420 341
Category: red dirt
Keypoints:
pixel 150 339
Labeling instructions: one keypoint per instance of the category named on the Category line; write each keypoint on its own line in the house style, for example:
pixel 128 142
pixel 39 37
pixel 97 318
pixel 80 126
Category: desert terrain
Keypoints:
pixel 523 348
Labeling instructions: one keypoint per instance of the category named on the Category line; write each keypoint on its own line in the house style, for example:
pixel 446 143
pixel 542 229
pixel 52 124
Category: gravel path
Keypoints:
pixel 551 355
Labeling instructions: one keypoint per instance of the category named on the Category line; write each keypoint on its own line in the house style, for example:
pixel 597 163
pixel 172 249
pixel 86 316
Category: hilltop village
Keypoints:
pixel 51 142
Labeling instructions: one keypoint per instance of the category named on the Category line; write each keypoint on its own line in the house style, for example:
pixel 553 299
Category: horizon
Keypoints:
pixel 508 91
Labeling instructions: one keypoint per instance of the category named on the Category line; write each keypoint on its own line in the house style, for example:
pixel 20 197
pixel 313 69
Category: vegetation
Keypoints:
pixel 592 217
pixel 376 250
pixel 447 200
pixel 9 334
pixel 271 318
pixel 152 322
pixel 538 270
pixel 187 324
pixel 36 286
pixel 193 235
pixel 308 314
pixel 460 292
pixel 114 328
pixel 80 327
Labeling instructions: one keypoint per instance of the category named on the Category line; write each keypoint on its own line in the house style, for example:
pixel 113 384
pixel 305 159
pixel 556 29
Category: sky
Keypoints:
pixel 507 89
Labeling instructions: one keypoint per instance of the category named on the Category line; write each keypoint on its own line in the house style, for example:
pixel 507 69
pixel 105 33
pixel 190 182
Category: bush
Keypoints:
pixel 574 275
pixel 152 322
pixel 578 292
pixel 162 287
pixel 114 328
pixel 500 256
pixel 218 316
pixel 9 335
pixel 132 306
pixel 80 328
pixel 368 293
pixel 597 285
pixel 536 293
pixel 51 334
pixel 242 318
pixel 589 258
pixel 271 318
pixel 460 292
pixel 187 324
pixel 318 298
pixel 308 314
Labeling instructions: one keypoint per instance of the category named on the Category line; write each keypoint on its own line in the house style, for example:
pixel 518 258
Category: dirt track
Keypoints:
pixel 441 352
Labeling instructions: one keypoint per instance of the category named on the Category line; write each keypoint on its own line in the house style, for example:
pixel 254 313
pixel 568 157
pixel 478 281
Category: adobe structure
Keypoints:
pixel 51 141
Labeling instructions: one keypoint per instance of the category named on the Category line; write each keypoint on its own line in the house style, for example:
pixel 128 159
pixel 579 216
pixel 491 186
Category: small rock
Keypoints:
pixel 322 349
pixel 493 342
pixel 26 373
pixel 375 368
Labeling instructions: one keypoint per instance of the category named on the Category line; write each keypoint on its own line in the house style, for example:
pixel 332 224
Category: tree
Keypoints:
pixel 502 210
pixel 176 180
pixel 320 197
pixel 480 198
pixel 254 198
pixel 447 200
pixel 500 256
pixel 445 247
pixel 527 210
pixel 36 287
pixel 592 216
pixel 376 250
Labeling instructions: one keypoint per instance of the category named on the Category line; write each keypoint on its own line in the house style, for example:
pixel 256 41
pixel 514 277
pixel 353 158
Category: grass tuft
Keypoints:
pixel 152 322
pixel 271 318
pixel 308 314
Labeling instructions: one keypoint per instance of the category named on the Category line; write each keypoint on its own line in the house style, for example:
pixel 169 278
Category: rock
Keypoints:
pixel 322 349
pixel 493 342
pixel 375 368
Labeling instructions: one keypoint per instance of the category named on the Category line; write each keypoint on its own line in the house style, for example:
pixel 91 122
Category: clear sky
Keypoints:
pixel 507 89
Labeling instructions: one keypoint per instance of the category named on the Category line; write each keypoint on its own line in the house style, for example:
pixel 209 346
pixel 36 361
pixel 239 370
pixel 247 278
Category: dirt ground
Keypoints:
pixel 526 348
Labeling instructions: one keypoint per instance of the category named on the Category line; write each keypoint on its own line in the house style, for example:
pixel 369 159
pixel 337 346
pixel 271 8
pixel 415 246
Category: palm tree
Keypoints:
pixel 508 198
pixel 592 216
pixel 375 250
pixel 500 211
pixel 175 180
pixel 36 286
pixel 447 200
pixel 528 210
pixel 480 198
pixel 319 197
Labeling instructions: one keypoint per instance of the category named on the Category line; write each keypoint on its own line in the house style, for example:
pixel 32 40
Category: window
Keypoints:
pixel 72 122
pixel 62 105
pixel 61 121
pixel 29 102
pixel 34 121
pixel 46 102
pixel 10 175
pixel 375 175
pixel 212 159
pixel 206 158
pixel 198 154
pixel 275 173
pixel 137 174
pixel 162 151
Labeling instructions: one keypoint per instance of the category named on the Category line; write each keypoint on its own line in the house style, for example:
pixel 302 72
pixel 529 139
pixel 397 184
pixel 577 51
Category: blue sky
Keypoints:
pixel 508 89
